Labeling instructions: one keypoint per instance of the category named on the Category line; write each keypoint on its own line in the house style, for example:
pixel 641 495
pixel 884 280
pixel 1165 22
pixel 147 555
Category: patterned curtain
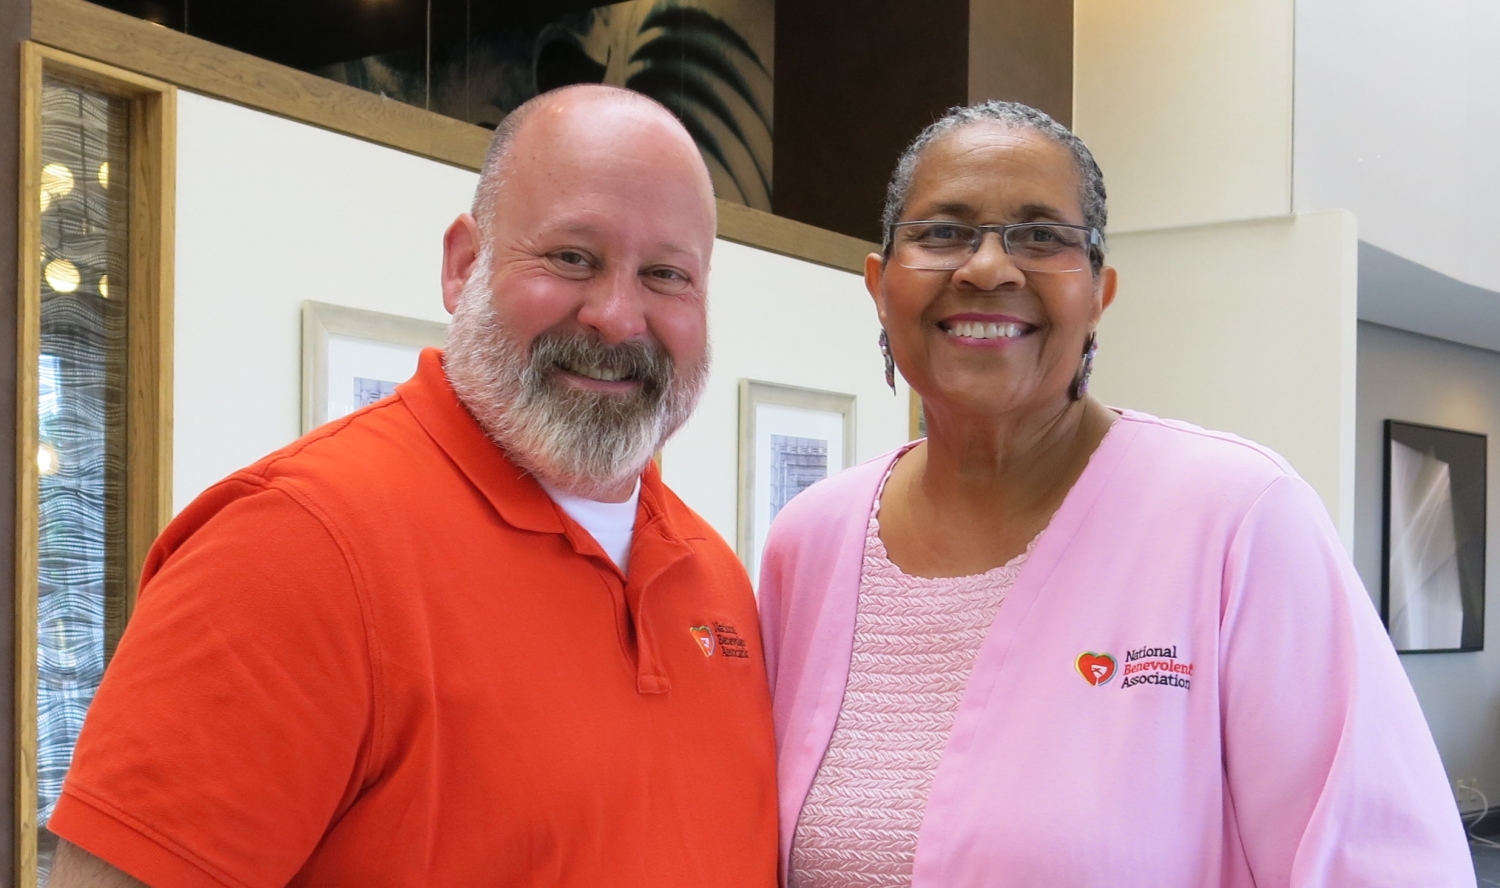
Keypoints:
pixel 81 561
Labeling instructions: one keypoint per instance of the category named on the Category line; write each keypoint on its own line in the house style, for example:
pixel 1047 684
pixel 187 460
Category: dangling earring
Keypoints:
pixel 890 362
pixel 1080 386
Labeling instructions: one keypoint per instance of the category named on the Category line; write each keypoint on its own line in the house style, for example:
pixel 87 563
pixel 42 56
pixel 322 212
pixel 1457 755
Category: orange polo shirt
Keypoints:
pixel 383 657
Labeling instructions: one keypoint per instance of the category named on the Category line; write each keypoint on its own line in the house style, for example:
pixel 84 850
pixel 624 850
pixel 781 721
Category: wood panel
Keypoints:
pixel 148 368
pixel 15 29
pixel 153 196
pixel 1022 51
pixel 856 80
pixel 799 240
pixel 200 66
pixel 28 344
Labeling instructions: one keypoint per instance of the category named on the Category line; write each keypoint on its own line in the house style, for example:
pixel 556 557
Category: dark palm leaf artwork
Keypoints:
pixel 709 61
pixel 692 61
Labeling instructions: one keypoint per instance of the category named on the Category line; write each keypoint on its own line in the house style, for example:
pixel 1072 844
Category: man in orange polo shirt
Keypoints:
pixel 464 636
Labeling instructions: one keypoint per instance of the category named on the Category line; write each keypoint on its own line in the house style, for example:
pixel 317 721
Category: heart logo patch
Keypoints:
pixel 1096 669
pixel 705 638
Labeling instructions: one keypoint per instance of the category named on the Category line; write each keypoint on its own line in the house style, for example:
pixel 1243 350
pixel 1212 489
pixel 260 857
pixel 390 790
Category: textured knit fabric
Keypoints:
pixel 1187 687
pixel 915 640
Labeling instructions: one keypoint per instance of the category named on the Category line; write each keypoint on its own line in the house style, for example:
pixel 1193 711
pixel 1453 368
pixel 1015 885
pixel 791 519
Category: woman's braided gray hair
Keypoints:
pixel 1014 114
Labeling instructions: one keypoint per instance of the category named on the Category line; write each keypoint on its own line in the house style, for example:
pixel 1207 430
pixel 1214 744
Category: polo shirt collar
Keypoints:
pixel 511 490
pixel 514 493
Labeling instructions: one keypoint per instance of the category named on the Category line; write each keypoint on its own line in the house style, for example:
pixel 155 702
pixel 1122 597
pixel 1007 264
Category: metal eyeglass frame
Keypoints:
pixel 1094 239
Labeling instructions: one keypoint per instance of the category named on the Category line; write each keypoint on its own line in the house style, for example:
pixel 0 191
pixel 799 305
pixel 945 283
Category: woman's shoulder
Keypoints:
pixel 1195 455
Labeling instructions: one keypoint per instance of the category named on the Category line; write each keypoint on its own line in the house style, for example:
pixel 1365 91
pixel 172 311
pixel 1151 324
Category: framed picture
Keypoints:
pixel 1432 595
pixel 790 438
pixel 352 357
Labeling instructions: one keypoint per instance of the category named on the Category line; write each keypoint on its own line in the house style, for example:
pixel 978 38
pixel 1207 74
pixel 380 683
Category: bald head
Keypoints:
pixel 608 115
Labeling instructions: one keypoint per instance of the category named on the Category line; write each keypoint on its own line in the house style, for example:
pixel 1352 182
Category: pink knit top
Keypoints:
pixel 915 640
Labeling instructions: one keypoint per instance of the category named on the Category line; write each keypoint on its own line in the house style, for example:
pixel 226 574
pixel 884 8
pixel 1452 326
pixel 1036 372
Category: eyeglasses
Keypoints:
pixel 932 245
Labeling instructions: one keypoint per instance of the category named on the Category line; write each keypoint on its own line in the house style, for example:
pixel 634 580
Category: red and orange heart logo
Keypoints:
pixel 705 638
pixel 1096 669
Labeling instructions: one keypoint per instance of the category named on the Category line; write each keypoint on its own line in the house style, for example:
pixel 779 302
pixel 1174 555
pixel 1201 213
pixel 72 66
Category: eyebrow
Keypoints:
pixel 1027 212
pixel 586 230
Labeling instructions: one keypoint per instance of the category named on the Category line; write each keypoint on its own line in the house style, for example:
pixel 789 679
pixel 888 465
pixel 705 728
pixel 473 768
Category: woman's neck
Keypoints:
pixel 977 492
pixel 1008 462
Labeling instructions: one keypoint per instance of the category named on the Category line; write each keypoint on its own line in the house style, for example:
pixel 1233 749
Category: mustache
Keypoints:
pixel 645 362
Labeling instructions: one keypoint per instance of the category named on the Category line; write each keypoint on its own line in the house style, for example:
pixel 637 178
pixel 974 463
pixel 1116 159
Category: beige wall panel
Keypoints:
pixel 1245 327
pixel 1188 107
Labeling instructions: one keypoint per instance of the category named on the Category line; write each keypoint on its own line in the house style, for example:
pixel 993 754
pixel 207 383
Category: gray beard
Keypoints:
pixel 582 443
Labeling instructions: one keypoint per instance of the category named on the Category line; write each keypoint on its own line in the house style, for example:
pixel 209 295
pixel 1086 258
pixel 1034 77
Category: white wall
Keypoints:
pixel 1417 379
pixel 780 320
pixel 1247 327
pixel 1187 106
pixel 1397 118
pixel 271 213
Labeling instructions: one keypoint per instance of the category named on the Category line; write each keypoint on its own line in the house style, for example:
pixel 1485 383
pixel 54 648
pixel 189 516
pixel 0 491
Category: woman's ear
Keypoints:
pixel 1104 289
pixel 874 277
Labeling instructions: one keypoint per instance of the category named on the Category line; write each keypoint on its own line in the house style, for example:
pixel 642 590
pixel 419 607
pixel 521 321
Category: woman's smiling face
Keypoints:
pixel 988 338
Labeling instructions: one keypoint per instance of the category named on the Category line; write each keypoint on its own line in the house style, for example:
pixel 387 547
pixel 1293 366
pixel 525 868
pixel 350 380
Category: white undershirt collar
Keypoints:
pixel 612 525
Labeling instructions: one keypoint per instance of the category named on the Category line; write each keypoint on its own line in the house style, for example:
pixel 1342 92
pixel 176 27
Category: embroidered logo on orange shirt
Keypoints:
pixel 720 638
pixel 1096 669
pixel 705 638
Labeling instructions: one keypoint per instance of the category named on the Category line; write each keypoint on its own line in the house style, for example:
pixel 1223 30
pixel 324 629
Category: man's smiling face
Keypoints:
pixel 582 325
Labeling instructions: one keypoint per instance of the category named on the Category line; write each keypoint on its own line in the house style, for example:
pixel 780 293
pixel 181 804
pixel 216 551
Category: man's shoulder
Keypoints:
pixel 684 520
pixel 356 449
pixel 344 467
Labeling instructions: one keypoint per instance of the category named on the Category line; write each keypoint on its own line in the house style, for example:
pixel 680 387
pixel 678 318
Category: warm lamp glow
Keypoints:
pixel 62 275
pixel 57 180
pixel 104 285
pixel 47 462
pixel 104 174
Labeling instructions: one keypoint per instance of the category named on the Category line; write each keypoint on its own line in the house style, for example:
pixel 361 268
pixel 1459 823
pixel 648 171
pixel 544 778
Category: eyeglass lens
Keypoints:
pixel 1035 246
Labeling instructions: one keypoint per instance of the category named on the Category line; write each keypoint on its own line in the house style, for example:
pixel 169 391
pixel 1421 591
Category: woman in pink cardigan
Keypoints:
pixel 1056 644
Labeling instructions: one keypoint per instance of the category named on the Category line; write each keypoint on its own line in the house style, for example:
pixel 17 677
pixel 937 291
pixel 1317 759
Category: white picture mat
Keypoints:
pixel 791 422
pixel 769 409
pixel 341 344
pixel 351 358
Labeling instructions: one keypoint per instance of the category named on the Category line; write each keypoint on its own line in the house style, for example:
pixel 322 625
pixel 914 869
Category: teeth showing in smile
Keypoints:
pixel 980 330
pixel 600 373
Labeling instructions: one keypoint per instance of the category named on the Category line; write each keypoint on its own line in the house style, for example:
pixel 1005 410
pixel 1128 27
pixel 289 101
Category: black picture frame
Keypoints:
pixel 1433 542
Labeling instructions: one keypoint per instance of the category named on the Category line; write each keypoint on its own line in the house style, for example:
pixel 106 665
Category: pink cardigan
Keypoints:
pixel 1186 686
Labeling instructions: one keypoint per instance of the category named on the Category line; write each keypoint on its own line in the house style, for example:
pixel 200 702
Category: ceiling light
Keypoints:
pixel 104 174
pixel 62 275
pixel 104 285
pixel 47 462
pixel 57 179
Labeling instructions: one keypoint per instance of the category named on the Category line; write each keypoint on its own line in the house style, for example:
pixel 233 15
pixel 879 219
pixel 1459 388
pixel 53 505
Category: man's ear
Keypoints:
pixel 460 250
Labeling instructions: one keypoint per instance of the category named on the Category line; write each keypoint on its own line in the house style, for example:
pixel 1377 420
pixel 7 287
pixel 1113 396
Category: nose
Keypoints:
pixel 989 267
pixel 615 307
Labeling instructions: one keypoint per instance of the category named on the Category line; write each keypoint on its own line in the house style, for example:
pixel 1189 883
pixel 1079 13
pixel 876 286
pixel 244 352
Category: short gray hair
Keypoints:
pixel 1013 114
